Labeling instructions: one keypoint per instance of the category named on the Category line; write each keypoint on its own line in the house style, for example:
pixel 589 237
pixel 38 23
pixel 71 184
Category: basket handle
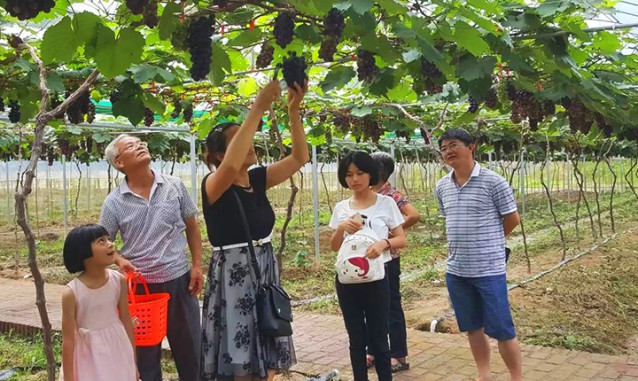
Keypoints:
pixel 133 278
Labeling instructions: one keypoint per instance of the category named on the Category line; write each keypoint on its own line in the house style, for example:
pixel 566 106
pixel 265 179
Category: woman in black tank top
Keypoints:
pixel 232 347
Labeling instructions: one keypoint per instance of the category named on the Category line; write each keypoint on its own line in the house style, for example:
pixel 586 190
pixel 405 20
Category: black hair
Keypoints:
pixel 216 143
pixel 386 164
pixel 77 245
pixel 363 161
pixel 457 134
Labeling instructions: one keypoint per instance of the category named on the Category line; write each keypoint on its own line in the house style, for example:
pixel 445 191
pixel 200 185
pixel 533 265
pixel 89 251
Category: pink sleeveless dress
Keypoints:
pixel 103 351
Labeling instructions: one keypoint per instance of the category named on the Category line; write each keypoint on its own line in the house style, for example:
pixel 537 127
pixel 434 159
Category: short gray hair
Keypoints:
pixel 111 150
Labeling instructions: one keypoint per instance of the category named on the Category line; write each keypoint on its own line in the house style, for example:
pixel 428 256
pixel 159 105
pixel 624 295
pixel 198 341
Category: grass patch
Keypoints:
pixel 590 305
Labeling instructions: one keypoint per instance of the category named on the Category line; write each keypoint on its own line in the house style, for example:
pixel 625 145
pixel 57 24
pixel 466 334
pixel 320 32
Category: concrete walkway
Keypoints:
pixel 322 344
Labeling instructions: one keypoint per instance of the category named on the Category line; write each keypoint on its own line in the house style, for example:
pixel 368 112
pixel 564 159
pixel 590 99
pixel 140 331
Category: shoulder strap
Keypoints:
pixel 204 195
pixel 249 240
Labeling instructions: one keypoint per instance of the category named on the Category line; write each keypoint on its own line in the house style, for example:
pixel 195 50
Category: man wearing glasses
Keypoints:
pixel 152 212
pixel 480 211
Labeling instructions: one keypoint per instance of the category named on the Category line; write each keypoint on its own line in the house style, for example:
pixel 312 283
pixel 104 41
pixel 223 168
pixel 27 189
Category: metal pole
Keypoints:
pixel 65 195
pixel 393 177
pixel 193 169
pixel 315 200
pixel 569 180
pixel 622 170
pixel 49 190
pixel 8 193
pixel 521 184
pixel 490 165
pixel 549 178
pixel 88 187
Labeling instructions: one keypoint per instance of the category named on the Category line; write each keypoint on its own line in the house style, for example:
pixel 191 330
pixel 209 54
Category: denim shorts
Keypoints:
pixel 482 303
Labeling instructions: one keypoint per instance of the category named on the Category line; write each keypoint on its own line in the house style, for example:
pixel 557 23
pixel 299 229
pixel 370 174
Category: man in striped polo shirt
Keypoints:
pixel 480 211
pixel 156 218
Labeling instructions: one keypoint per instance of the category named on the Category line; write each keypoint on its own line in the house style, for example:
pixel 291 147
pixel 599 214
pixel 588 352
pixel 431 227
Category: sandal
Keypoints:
pixel 400 366
pixel 369 361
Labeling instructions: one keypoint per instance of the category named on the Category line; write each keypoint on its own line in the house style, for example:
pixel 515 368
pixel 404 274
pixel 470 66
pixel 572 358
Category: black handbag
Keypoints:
pixel 274 312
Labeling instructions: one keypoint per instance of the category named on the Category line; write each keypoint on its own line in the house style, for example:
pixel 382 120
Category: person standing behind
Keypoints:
pixel 480 211
pixel 152 211
pixel 232 346
pixel 365 306
pixel 396 320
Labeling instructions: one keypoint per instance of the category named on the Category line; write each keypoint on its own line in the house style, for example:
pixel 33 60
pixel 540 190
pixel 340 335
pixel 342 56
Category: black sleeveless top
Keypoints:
pixel 223 223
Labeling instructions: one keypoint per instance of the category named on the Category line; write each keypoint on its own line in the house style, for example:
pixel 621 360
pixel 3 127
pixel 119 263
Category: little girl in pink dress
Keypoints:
pixel 97 333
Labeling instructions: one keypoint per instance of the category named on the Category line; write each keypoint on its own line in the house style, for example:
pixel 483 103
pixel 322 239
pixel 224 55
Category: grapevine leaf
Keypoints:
pixel 169 20
pixel 59 43
pixel 337 77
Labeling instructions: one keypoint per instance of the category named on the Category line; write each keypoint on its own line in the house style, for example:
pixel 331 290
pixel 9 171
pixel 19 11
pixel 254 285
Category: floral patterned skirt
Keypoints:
pixel 231 343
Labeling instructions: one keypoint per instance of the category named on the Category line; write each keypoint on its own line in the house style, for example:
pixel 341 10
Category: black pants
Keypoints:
pixel 183 333
pixel 396 318
pixel 365 313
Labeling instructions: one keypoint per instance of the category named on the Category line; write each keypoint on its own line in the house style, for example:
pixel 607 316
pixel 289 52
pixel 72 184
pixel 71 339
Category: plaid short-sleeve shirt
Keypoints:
pixel 152 230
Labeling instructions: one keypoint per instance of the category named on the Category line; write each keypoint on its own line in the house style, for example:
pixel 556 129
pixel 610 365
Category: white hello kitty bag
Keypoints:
pixel 352 265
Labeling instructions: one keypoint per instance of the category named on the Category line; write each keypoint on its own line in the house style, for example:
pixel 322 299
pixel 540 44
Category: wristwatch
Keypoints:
pixel 388 246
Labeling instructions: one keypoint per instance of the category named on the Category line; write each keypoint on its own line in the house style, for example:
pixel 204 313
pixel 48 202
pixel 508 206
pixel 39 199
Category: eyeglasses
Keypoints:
pixel 450 147
pixel 131 147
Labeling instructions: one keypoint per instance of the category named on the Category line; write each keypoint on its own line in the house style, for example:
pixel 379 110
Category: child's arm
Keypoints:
pixel 124 314
pixel 68 334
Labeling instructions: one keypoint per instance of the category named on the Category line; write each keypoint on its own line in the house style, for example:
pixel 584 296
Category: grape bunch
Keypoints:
pixel 1 104
pixel 90 113
pixel 580 118
pixel 220 3
pixel 55 102
pixel 73 112
pixel 136 6
pixel 474 105
pixel 150 14
pixel 328 49
pixel 366 67
pixel 88 143
pixel 524 106
pixel 333 25
pixel 51 156
pixel 429 79
pixel 265 55
pixel 284 29
pixel 177 108
pixel 14 113
pixel 491 99
pixel 200 32
pixel 28 9
pixel 434 79
pixel 607 129
pixel 367 128
pixel 294 70
pixel 510 90
pixel 405 134
pixel 188 112
pixel 65 147
pixel 149 117
pixel 342 122
pixel 549 108
pixel 76 110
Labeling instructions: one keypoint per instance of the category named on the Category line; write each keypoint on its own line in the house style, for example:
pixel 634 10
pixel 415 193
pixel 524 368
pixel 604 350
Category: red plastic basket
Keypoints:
pixel 149 312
